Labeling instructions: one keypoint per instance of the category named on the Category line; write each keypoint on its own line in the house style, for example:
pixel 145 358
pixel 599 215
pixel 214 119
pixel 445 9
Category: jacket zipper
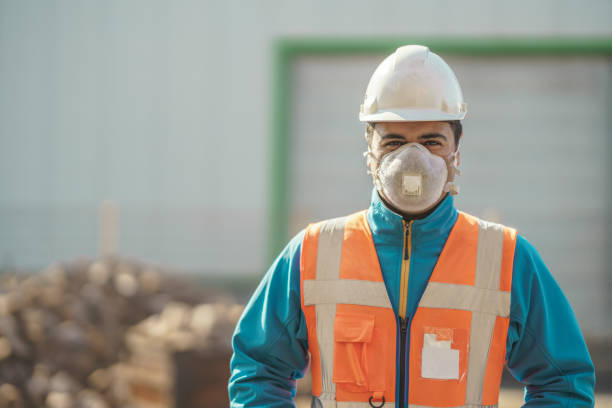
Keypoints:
pixel 403 306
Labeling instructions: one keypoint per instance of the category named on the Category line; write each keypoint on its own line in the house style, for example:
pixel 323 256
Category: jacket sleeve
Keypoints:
pixel 270 339
pixel 546 350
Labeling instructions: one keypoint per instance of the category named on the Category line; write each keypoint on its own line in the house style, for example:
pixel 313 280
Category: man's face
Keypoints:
pixel 437 137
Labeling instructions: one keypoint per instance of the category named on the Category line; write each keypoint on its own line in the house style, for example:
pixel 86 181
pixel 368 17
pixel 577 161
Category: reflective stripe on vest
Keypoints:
pixel 345 303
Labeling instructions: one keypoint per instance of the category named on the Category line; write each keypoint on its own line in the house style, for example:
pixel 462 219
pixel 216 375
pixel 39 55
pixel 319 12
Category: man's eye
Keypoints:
pixel 395 143
pixel 432 143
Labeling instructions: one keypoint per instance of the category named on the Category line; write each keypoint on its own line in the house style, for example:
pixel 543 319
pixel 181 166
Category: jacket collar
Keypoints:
pixel 387 227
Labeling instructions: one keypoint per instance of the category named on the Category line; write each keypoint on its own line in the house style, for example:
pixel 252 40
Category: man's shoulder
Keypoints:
pixel 526 252
pixel 341 221
pixel 509 233
pixel 293 247
pixel 478 220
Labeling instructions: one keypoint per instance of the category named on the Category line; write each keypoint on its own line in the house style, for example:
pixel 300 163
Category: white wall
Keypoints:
pixel 164 107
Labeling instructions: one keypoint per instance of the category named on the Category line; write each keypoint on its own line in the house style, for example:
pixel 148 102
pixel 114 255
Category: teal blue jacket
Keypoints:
pixel 545 348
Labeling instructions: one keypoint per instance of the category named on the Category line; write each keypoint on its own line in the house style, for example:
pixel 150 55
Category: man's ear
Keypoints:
pixel 458 157
pixel 458 142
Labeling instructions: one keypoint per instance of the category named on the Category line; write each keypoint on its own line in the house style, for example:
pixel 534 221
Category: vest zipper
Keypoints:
pixel 402 310
pixel 402 373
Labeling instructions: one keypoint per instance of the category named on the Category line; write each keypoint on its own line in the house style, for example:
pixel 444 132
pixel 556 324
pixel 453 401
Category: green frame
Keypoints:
pixel 287 49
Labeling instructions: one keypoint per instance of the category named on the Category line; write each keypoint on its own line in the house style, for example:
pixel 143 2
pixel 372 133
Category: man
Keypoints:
pixel 410 303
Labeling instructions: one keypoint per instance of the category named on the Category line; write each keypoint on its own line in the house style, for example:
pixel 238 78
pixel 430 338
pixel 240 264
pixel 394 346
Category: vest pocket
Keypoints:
pixel 438 360
pixel 352 345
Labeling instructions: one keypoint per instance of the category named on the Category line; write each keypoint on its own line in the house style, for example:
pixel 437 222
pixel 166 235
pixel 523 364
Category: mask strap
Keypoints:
pixel 451 187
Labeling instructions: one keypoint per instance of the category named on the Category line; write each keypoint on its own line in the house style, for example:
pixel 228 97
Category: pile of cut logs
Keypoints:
pixel 96 334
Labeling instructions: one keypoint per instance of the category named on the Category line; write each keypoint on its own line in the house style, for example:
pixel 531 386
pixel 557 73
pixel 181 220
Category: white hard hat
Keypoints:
pixel 412 84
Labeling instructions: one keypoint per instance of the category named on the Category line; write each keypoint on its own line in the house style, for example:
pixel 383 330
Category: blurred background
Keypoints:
pixel 155 156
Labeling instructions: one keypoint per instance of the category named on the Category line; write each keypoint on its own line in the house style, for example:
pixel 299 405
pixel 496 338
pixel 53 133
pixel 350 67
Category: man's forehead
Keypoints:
pixel 383 128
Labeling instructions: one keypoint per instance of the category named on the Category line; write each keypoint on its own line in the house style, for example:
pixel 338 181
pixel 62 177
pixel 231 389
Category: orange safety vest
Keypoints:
pixel 457 335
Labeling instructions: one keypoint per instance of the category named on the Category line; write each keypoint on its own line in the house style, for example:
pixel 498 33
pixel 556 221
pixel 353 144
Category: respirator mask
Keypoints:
pixel 412 179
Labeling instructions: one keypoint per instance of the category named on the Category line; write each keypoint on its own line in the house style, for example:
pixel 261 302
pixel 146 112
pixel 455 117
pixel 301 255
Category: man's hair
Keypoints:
pixel 455 125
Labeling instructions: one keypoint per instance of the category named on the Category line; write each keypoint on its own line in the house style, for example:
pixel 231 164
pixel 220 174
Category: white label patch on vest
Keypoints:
pixel 411 184
pixel 438 360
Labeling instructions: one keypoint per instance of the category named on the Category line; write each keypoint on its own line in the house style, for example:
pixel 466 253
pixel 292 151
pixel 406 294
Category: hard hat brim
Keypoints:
pixel 410 115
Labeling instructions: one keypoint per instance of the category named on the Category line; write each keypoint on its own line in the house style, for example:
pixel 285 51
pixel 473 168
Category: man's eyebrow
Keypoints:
pixel 392 136
pixel 426 136
pixel 433 136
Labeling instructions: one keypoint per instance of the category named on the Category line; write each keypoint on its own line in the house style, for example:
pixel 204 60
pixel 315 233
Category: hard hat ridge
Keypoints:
pixel 409 56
